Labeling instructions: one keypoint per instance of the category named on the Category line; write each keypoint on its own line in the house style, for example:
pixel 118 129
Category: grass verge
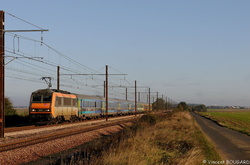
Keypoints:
pixel 175 140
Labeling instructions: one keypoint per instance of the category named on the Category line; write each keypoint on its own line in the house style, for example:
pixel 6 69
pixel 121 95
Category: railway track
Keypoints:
pixel 37 126
pixel 61 134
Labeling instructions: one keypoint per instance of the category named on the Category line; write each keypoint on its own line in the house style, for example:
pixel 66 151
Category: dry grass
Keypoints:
pixel 170 141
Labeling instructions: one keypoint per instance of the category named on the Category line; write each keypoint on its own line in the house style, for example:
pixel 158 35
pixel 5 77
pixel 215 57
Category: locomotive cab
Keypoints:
pixel 53 105
pixel 40 104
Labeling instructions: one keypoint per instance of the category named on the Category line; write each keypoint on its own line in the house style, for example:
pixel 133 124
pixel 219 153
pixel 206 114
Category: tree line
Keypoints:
pixel 160 104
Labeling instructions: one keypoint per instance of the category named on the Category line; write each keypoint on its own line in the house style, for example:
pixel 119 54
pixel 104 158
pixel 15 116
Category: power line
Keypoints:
pixel 24 20
pixel 59 53
pixel 47 61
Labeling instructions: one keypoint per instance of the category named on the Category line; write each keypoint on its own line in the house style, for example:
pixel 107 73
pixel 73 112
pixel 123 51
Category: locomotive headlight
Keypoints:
pixel 47 110
pixel 33 110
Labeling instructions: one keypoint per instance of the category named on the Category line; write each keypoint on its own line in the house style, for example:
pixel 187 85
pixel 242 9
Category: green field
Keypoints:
pixel 236 119
pixel 22 111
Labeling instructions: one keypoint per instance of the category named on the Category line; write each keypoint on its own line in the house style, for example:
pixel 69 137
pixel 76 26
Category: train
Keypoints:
pixel 57 105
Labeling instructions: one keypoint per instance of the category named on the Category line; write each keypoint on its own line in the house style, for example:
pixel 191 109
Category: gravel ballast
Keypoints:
pixel 34 152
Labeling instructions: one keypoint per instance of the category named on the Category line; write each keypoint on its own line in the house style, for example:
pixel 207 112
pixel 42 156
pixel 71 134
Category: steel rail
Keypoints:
pixel 39 125
pixel 42 139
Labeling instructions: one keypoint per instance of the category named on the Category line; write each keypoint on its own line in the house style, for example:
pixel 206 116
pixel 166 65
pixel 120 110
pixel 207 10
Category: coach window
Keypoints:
pixel 98 104
pixel 91 104
pixel 67 101
pixel 86 103
pixel 58 101
pixel 75 102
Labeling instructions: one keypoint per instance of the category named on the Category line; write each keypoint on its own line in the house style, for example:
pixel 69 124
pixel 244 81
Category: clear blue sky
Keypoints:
pixel 196 51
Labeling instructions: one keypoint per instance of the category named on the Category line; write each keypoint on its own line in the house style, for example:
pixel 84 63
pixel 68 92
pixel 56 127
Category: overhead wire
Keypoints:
pixel 23 20
pixel 57 52
pixel 33 69
pixel 78 80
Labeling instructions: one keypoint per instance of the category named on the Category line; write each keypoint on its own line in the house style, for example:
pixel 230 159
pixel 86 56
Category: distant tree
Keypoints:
pixel 200 108
pixel 161 104
pixel 8 107
pixel 182 106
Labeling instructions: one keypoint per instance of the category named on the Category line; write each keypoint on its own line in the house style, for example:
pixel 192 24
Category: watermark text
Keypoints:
pixel 227 162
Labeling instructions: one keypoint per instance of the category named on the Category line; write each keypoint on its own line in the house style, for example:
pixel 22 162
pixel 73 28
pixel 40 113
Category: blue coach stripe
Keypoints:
pixel 89 112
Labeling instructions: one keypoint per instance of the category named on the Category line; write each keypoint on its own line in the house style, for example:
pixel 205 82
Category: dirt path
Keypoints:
pixel 231 145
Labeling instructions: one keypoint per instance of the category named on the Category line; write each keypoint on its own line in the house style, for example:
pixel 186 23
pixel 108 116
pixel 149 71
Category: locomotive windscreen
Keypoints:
pixel 37 98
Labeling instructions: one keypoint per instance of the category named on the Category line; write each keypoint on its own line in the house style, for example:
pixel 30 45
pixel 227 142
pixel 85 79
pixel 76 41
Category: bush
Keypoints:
pixel 8 107
pixel 182 106
pixel 200 108
pixel 149 118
